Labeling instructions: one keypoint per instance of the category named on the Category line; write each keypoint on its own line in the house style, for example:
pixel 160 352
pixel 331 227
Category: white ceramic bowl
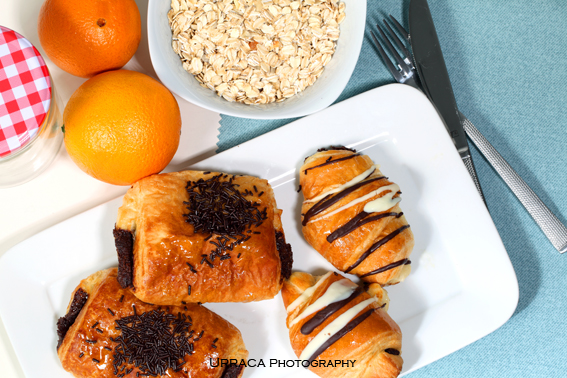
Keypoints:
pixel 321 94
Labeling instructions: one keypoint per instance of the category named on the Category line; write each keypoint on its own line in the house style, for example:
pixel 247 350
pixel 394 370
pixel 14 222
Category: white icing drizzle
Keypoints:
pixel 337 291
pixel 394 188
pixel 383 203
pixel 342 187
pixel 307 293
pixel 333 327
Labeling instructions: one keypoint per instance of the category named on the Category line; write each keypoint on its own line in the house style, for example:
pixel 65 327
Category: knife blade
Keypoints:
pixel 432 71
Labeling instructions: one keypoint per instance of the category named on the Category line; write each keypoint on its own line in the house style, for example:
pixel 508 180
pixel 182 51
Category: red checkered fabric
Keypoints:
pixel 25 91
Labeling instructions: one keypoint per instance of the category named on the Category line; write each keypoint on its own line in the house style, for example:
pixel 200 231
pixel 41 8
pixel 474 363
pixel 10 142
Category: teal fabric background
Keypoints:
pixel 508 65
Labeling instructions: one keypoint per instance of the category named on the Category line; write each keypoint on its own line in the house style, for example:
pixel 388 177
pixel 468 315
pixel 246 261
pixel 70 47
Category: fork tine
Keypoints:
pixel 396 40
pixel 403 65
pixel 397 75
pixel 400 28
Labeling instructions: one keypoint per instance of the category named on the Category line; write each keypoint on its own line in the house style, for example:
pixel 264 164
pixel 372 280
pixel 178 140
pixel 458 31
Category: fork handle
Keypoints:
pixel 555 231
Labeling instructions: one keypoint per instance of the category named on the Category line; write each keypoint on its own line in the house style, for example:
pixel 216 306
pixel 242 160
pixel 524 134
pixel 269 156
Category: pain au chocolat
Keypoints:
pixel 201 237
pixel 108 332
pixel 352 217
pixel 332 319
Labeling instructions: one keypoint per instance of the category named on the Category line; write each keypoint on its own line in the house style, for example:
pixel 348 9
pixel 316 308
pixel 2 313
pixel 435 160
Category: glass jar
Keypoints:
pixel 30 111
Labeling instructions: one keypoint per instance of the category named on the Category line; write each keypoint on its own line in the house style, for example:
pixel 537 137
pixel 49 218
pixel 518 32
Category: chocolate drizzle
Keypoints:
pixel 387 267
pixel 124 242
pixel 392 351
pixel 336 148
pixel 327 202
pixel 356 222
pixel 376 245
pixel 286 255
pixel 323 314
pixel 343 331
pixel 65 322
pixel 330 162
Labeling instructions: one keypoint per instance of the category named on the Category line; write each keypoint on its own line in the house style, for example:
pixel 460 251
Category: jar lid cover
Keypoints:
pixel 25 91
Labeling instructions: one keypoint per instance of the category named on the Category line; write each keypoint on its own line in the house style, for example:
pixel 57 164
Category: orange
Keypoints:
pixel 121 126
pixel 86 37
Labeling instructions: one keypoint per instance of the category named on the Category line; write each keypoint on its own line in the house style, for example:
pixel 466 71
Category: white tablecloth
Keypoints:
pixel 63 190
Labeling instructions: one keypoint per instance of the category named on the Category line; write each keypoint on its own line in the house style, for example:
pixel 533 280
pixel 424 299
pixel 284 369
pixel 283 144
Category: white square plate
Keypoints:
pixel 462 286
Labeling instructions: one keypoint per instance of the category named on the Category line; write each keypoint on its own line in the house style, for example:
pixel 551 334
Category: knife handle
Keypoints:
pixel 555 231
pixel 470 167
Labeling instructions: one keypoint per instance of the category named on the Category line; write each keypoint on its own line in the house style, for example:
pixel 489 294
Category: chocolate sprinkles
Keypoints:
pixel 192 268
pixel 153 342
pixel 375 246
pixel 216 206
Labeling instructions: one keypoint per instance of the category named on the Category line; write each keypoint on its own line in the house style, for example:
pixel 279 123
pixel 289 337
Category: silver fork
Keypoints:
pixel 404 72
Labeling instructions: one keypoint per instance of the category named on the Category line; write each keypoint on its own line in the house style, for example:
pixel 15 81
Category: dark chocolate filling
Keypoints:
pixel 343 331
pixel 393 351
pixel 286 255
pixel 377 245
pixel 232 371
pixel 323 314
pixel 327 202
pixel 124 242
pixel 387 267
pixel 65 322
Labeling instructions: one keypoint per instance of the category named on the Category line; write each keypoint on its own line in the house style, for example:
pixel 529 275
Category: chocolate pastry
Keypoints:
pixel 108 332
pixel 201 237
pixel 352 217
pixel 332 319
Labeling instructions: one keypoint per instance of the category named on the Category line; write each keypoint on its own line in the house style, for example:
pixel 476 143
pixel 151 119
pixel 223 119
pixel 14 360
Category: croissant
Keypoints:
pixel 108 332
pixel 351 216
pixel 338 329
pixel 201 237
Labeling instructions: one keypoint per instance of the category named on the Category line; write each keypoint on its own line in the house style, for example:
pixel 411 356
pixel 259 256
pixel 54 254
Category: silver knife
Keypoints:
pixel 435 81
pixel 434 78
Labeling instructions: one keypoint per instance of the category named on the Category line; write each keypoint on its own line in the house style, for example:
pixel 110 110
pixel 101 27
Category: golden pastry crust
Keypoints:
pixel 93 332
pixel 173 263
pixel 370 245
pixel 375 343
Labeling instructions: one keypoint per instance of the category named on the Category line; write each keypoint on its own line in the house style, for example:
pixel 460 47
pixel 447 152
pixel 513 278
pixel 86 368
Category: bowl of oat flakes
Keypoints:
pixel 262 59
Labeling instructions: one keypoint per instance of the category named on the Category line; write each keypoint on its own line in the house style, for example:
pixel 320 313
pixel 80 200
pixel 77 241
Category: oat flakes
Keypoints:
pixel 255 51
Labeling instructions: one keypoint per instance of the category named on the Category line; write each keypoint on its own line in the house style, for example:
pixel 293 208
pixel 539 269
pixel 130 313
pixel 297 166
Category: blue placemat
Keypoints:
pixel 508 65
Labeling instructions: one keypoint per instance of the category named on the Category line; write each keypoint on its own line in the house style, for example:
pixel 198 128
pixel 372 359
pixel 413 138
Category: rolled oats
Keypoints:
pixel 255 51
